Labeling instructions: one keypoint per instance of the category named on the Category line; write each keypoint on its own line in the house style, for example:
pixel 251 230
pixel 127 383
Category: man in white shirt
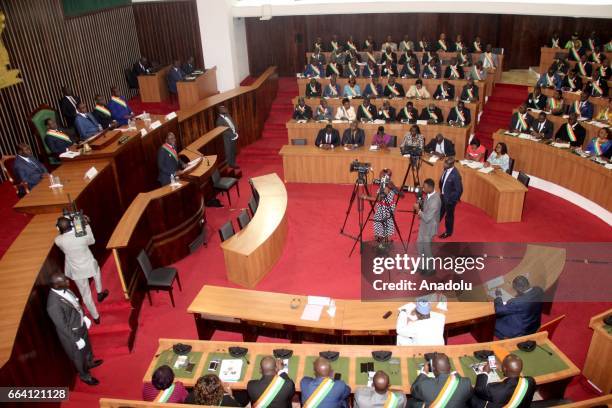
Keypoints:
pixel 230 136
pixel 346 111
pixel 421 326
pixel 418 91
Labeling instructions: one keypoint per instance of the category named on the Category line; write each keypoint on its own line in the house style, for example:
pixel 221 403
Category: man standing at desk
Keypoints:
pixel 119 108
pixel 322 391
pixel 175 74
pixel 168 162
pixel 85 123
pixel 189 66
pixel 27 168
pixel 521 315
pixel 141 67
pixel 230 136
pixel 451 188
pixel 69 106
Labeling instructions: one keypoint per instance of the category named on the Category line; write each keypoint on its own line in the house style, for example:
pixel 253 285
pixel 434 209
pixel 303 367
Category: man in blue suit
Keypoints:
pixel 85 123
pixel 27 168
pixel 175 74
pixel 522 314
pixel 168 162
pixel 583 107
pixel 322 391
pixel 119 108
pixel 451 189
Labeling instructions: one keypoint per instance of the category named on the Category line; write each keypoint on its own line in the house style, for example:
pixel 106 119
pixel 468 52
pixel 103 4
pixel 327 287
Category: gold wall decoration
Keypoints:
pixel 8 76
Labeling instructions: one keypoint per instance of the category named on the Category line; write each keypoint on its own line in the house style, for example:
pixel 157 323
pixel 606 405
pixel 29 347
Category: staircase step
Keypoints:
pixel 114 306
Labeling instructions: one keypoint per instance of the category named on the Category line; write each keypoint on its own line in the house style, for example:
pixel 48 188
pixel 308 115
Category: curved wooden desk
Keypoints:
pixel 599 103
pixel 560 166
pixel 500 195
pixel 558 121
pixel 597 364
pixel 191 92
pixel 163 222
pixel 548 55
pixel 251 253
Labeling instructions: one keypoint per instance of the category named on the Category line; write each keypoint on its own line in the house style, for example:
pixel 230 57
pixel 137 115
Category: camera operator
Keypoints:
pixel 428 208
pixel 80 264
pixel 383 220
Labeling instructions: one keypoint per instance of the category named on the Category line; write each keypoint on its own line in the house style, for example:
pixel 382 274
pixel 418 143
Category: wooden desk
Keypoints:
pixel 163 222
pixel 190 92
pixel 458 135
pixel 597 364
pixel 252 252
pixel 153 87
pixel 560 166
pixel 548 55
pixel 498 194
pixel 209 145
pixel 397 103
pixel 551 380
pixel 558 121
pixel 599 103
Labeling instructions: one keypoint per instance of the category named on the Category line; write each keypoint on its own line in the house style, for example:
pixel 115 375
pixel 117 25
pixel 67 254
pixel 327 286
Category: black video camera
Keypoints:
pixel 412 151
pixel 76 217
pixel 359 167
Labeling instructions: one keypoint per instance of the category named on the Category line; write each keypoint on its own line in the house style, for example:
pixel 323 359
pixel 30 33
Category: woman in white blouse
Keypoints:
pixel 499 158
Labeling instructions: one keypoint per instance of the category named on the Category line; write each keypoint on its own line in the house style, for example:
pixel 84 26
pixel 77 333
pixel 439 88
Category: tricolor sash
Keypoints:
pixel 167 147
pixel 597 88
pixel 300 108
pixel 366 112
pixel 352 91
pixel 602 71
pixel 164 395
pixel 591 44
pixel 478 76
pixel 313 88
pixel 519 393
pixel 571 82
pixel 271 391
pixel 462 58
pixel 597 147
pixel 333 89
pixel 333 67
pixel 549 80
pixel 418 92
pixel 442 44
pixel 102 109
pixel 392 400
pixel 433 115
pixel 390 71
pixel 575 53
pixel 570 133
pixel 477 47
pixel 489 59
pixel 406 46
pixel 411 70
pixel 371 57
pixel 386 113
pixel 353 73
pixel 596 58
pixel 582 69
pixel 446 393
pixel 59 135
pixel 443 91
pixel 389 57
pixel 522 121
pixel 373 89
pixel 334 45
pixel 470 93
pixel 392 89
pixel 454 72
pixel 555 43
pixel 459 46
pixel 120 101
pixel 554 105
pixel 351 45
pixel 577 108
pixel 319 393
pixel 430 69
pixel 316 70
pixel 460 115
pixel 367 43
pixel 423 45
pixel 320 110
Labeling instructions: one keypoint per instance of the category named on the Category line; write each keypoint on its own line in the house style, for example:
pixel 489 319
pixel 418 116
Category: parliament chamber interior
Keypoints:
pixel 317 203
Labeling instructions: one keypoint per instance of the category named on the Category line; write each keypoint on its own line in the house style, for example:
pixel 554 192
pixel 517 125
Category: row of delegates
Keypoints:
pixel 498 158
pixel 594 81
pixel 576 47
pixel 556 105
pixel 562 67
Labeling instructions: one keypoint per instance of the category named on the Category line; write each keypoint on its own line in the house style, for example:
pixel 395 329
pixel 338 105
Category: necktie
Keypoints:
pixel 72 101
pixel 352 137
pixel 327 138
pixel 541 126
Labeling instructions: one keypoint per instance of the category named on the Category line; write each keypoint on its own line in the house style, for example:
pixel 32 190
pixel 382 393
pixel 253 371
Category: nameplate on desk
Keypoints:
pixel 91 173
pixel 155 125
pixel 171 116
pixel 143 132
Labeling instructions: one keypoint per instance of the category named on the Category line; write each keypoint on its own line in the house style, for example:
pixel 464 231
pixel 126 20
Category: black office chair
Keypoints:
pixel 253 205
pixel 243 218
pixel 299 142
pixel 225 184
pixel 510 166
pixel 158 278
pixel 523 178
pixel 226 231
pixel 393 142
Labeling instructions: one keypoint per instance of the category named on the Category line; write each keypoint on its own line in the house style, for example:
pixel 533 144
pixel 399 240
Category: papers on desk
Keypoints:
pixel 379 122
pixel 192 164
pixel 301 121
pixel 495 282
pixel 472 164
pixel 608 166
pixel 507 132
pixel 319 300
pixel 231 369
pixel 336 121
pixel 526 136
pixel 374 147
pixel 198 72
pixel 505 296
pixel 599 124
pixel 69 154
pixel 143 132
pixel 171 116
pixel 486 170
pixel 312 313
pixel 561 145
pixel 421 122
pixel 91 173
pixel 155 125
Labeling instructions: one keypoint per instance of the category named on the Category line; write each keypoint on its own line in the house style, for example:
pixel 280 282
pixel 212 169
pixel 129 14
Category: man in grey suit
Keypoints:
pixel 71 326
pixel 230 136
pixel 426 390
pixel 429 216
pixel 378 395
pixel 80 264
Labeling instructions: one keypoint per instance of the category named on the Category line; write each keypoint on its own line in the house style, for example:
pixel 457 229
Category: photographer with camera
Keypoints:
pixel 427 207
pixel 384 219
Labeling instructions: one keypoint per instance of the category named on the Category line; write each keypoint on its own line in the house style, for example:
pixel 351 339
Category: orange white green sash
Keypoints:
pixel 410 69
pixel 478 76
pixel 351 45
pixel 321 110
pixel 591 44
pixel 353 73
pixel 459 46
pixel 597 147
pixel 470 93
pixel 522 121
pixel 554 104
pixel 577 108
pixel 446 393
pixel 423 45
pixel 300 108
pixel 433 115
pixel 333 89
pixel 418 92
pixel 406 46
pixel 59 135
pixel 489 59
pixel 596 58
pixel 333 67
pixel 477 47
pixel 407 114
pixel 555 43
pixel 334 45
pixel 389 57
pixel 597 88
pixel 390 71
pixel 316 70
pixel 462 58
pixel 352 91
pixel 102 109
pixel 575 53
pixel 442 44
pixel 602 71
pixel 443 91
pixel 392 400
pixel 373 89
pixel 454 72
pixel 430 69
pixel 319 393
pixel 385 113
pixel 570 133
pixel 371 57
pixel 271 391
pixel 519 393
pixel 549 81
pixel 366 111
pixel 167 147
pixel 119 101
pixel 571 82
pixel 367 43
pixel 582 68
pixel 313 88
pixel 164 395
pixel 460 114
pixel 392 89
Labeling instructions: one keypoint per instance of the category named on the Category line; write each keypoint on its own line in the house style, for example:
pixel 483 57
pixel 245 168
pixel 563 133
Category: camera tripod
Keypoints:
pixel 359 188
pixel 413 168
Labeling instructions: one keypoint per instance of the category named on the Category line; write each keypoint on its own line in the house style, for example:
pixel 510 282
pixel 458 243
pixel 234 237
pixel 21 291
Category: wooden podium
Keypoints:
pixel 597 364
pixel 193 91
pixel 153 87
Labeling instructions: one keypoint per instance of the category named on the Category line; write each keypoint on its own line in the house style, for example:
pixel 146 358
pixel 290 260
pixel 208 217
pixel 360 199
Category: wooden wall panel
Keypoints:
pixel 169 30
pixel 521 36
pixel 88 53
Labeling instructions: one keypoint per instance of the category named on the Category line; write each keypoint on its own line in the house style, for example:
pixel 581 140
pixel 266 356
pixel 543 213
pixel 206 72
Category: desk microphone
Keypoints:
pixel 199 154
pixel 549 353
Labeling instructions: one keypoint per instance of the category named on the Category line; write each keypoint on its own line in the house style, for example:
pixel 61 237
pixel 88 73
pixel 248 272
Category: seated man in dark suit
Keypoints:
pixel 313 89
pixel 459 115
pixel 175 74
pixel 322 391
pixel 327 136
pixel 85 123
pixel 514 391
pixel 521 315
pixel 168 162
pixel 571 132
pixel 189 66
pixel 27 168
pixel 102 114
pixel 542 128
pixel 57 140
pixel 454 71
pixel 520 121
pixel 469 92
pixel 302 111
pixel 582 108
pixel 432 114
pixel 119 108
pixel 445 92
pixel 393 89
pixel 272 390
pixel 141 67
pixel 445 389
pixel 536 100
pixel 353 136
pixel 440 146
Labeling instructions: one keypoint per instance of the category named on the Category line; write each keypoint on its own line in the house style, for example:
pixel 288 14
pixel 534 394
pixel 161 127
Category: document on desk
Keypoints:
pixel 561 145
pixel 495 282
pixel 486 170
pixel 505 296
pixel 231 370
pixel 319 300
pixel 69 154
pixel 312 313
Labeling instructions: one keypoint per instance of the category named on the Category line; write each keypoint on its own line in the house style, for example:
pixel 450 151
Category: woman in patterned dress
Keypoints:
pixel 383 223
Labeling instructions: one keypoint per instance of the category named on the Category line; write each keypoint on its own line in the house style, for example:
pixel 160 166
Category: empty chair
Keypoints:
pixel 225 184
pixel 510 166
pixel 298 142
pixel 226 231
pixel 244 218
pixel 253 205
pixel 158 278
pixel 523 178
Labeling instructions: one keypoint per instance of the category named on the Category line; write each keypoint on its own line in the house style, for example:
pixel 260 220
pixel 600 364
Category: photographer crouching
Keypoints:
pixel 384 212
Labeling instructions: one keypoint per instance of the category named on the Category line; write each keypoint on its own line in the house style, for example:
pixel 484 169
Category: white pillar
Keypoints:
pixel 223 42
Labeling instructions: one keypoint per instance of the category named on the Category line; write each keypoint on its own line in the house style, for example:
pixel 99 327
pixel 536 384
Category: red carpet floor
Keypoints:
pixel 315 261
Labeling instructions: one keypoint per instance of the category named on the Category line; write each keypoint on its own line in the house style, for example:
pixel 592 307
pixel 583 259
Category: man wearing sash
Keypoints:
pixel 168 162
pixel 555 41
pixel 515 391
pixel 317 57
pixel 334 44
pixel 583 67
pixel 366 111
pixel 582 108
pixel 388 44
pixel 571 82
pixel 556 104
pixel 598 87
pixel 542 128
pixel 432 114
pixel 274 389
pixel 386 112
pixel 459 115
pixel 314 69
pixel 393 89
pixel 444 390
pixel 575 44
pixel 350 44
pixel 408 114
pixel 318 45
pixel 549 80
pixel 353 136
pixel 369 43
pixel 592 42
pixel 478 73
pixel 373 89
pixel 57 140
pixel 301 110
pixel 332 90
pixel 388 55
pixel 431 70
pixel 476 45
pixel 445 92
pixel 333 68
pixel 411 69
pixel 389 69
pixel 85 123
pixel 351 89
pixel 441 45
pixel 323 111
pixel 469 92
pixel 351 69
pixel 605 69
pixel 102 114
pixel 424 45
pixel 458 45
pixel 489 60
pixel 571 132
pixel 370 70
pixel 601 144
pixel 406 45
pixel 453 71
pixel 463 58
pixel 521 121
pixel 379 395
pixel 536 99
pixel 119 108
pixel 322 391
pixel 313 89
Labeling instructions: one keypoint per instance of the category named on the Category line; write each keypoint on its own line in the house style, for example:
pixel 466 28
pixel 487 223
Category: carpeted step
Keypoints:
pixel 110 335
